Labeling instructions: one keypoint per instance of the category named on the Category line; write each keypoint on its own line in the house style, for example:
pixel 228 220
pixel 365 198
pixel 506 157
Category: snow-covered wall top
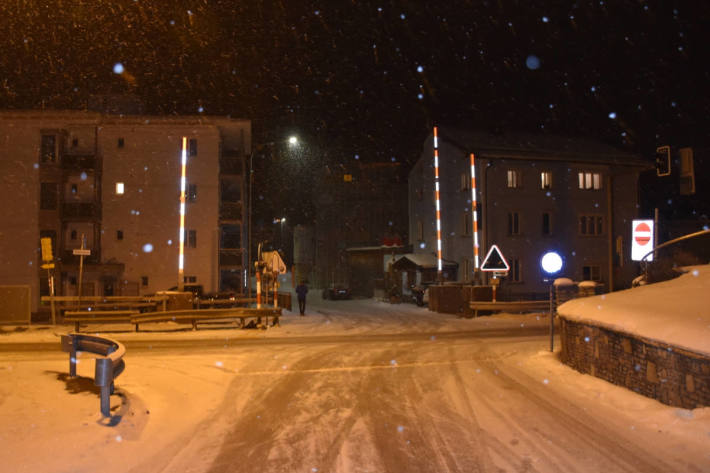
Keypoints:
pixel 676 312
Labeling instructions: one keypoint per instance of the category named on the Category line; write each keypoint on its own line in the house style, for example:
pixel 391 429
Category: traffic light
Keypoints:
pixel 663 161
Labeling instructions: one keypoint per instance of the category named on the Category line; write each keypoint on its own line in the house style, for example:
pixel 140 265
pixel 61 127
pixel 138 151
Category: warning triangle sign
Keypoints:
pixel 494 261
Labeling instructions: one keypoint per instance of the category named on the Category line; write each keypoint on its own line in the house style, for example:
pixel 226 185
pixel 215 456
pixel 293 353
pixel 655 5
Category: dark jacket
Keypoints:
pixel 301 291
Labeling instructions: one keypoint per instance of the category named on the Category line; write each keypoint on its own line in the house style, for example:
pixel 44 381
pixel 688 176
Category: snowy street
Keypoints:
pixel 355 386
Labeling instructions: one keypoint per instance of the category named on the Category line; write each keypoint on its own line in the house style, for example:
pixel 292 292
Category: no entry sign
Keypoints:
pixel 641 239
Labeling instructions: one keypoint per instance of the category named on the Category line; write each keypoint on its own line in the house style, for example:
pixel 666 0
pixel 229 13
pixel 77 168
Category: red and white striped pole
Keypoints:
pixel 474 208
pixel 437 198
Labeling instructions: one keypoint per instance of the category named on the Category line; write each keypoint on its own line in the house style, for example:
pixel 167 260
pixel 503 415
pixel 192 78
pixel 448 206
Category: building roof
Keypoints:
pixel 422 261
pixel 520 145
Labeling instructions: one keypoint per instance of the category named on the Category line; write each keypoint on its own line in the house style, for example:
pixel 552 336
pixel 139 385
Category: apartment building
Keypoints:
pixel 534 193
pixel 111 184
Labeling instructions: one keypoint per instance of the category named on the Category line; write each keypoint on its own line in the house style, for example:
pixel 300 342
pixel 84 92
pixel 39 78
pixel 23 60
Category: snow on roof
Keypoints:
pixel 675 312
pixel 424 260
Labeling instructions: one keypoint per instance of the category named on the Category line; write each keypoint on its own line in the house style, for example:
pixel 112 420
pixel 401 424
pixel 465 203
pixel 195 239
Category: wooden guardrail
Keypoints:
pixel 98 316
pixel 510 306
pixel 195 317
pixel 74 303
pixel 107 369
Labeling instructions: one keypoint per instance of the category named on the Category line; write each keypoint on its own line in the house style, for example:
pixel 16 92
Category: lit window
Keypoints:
pixel 119 188
pixel 590 180
pixel 514 178
pixel 546 180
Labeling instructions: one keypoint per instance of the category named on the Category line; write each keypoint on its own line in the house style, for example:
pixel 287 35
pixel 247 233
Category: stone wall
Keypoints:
pixel 671 375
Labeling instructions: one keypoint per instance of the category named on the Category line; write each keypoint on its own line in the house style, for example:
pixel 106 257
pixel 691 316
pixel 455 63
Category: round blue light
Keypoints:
pixel 551 262
pixel 532 62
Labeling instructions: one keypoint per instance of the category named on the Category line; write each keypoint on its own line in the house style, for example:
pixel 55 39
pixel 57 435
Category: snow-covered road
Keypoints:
pixel 355 386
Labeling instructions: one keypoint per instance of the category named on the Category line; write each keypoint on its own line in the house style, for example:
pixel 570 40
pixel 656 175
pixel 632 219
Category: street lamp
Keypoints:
pixel 551 263
pixel 293 140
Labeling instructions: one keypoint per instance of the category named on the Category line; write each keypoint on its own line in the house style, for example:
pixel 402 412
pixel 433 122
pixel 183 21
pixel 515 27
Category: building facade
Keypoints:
pixel 534 194
pixel 360 205
pixel 111 184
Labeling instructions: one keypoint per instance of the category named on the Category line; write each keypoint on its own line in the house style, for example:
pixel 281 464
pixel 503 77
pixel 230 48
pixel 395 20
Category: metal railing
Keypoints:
pixel 107 369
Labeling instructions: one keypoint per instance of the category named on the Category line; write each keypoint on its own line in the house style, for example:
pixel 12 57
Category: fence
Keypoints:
pixel 107 369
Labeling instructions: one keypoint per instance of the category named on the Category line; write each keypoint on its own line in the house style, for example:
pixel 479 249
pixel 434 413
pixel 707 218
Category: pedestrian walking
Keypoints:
pixel 301 291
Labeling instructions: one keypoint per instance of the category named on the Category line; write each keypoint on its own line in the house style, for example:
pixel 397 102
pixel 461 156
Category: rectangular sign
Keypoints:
pixel 80 252
pixel 641 240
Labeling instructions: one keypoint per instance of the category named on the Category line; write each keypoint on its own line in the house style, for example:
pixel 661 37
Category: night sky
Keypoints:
pixel 366 80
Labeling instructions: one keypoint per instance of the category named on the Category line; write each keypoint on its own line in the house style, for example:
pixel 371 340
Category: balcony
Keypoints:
pixel 232 257
pixel 230 163
pixel 230 211
pixel 78 161
pixel 81 210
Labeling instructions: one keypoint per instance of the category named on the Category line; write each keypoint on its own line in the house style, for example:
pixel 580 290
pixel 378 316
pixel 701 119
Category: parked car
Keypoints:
pixel 336 292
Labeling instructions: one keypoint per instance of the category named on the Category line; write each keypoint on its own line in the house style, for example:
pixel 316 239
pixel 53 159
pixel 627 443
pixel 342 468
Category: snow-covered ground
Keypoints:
pixel 51 424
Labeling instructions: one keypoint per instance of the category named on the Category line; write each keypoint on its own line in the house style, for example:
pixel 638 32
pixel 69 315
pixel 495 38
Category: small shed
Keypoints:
pixel 421 269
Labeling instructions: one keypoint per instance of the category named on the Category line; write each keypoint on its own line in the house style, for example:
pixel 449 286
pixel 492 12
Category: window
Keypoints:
pixel 74 142
pixel 48 196
pixel 465 182
pixel 591 273
pixel 590 180
pixel 190 279
pixel 515 275
pixel 121 143
pixel 119 188
pixel 192 238
pixel 420 230
pixel 591 225
pixel 72 235
pixel 466 269
pixel 193 147
pixel 545 180
pixel 119 234
pixel 515 179
pixel 546 223
pixel 48 151
pixel 513 223
pixel 191 193
pixel 466 224
pixel 144 281
pixel 74 189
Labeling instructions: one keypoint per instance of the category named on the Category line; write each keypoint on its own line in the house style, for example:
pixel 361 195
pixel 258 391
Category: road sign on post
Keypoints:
pixel 641 239
pixel 495 261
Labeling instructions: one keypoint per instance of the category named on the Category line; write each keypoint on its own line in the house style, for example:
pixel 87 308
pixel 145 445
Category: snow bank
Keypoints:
pixel 676 312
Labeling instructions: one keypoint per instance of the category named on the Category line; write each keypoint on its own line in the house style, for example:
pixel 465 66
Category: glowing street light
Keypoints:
pixel 293 140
